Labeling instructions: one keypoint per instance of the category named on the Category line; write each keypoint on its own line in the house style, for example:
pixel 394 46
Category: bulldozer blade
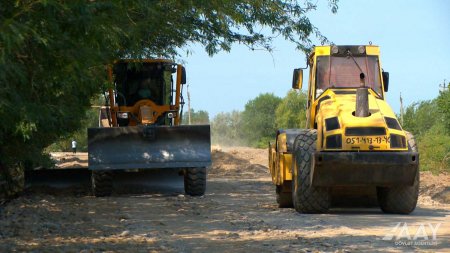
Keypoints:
pixel 146 147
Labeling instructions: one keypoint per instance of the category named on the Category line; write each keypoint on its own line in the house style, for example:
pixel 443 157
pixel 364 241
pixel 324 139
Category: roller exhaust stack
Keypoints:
pixel 362 99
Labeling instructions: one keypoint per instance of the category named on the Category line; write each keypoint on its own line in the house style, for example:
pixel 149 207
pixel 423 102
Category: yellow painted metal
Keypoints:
pixel 322 50
pixel 281 143
pixel 372 50
pixel 280 161
pixel 178 92
pixel 287 162
pixel 343 105
pixel 281 167
pixel 340 105
pixel 156 110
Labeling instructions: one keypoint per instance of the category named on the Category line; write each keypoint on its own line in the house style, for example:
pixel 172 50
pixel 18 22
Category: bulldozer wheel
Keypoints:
pixel 401 199
pixel 305 197
pixel 284 199
pixel 195 181
pixel 101 183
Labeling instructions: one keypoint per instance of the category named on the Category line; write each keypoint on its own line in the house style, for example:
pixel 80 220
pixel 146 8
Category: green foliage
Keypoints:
pixel 258 119
pixel 420 117
pixel 434 148
pixel 53 52
pixel 226 129
pixel 258 123
pixel 429 122
pixel 291 111
pixel 443 102
pixel 197 118
pixel 64 144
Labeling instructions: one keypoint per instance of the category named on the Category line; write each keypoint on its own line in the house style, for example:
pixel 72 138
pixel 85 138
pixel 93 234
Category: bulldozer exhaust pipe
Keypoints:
pixel 362 98
pixel 362 102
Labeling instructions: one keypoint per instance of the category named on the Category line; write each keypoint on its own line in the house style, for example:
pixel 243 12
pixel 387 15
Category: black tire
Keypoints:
pixel 401 199
pixel 284 199
pixel 195 181
pixel 305 197
pixel 101 183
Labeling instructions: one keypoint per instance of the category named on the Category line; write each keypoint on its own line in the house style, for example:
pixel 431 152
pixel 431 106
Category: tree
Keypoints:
pixel 197 118
pixel 443 102
pixel 421 116
pixel 428 121
pixel 64 143
pixel 258 119
pixel 226 129
pixel 53 53
pixel 434 148
pixel 291 111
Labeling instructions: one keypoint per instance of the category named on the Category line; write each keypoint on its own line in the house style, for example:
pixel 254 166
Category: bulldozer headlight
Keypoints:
pixel 398 141
pixel 170 115
pixel 334 141
pixel 122 115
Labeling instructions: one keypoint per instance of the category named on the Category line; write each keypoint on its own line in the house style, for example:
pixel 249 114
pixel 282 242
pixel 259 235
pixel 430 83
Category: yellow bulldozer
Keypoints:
pixel 140 128
pixel 352 140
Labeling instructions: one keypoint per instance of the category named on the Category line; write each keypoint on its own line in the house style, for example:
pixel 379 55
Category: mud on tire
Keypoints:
pixel 401 199
pixel 305 197
pixel 101 183
pixel 195 181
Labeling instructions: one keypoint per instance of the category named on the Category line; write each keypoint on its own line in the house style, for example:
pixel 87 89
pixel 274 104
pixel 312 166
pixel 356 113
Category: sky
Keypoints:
pixel 414 39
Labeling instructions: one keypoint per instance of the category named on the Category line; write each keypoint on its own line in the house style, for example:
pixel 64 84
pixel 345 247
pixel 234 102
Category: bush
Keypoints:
pixel 226 129
pixel 429 121
pixel 258 119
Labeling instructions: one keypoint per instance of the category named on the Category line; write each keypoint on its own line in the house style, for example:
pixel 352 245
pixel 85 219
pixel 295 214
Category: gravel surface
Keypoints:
pixel 238 214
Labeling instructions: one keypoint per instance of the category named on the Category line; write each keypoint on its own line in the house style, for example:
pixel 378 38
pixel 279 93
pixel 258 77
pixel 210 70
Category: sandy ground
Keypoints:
pixel 67 160
pixel 238 214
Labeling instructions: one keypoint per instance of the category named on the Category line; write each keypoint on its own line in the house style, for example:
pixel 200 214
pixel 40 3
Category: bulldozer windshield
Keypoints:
pixel 136 82
pixel 342 72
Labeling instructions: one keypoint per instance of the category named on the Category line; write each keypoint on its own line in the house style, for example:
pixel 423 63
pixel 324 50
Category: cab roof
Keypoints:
pixel 341 50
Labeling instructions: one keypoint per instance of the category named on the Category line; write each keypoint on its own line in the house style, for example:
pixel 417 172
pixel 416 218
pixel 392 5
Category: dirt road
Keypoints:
pixel 238 214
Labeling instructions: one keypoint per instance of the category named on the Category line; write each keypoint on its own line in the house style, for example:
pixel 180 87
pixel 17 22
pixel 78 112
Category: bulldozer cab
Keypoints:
pixel 139 128
pixel 151 81
pixel 146 92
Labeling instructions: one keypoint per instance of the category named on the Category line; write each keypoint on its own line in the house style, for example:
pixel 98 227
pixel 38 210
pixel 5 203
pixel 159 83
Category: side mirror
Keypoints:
pixel 183 75
pixel 297 79
pixel 385 80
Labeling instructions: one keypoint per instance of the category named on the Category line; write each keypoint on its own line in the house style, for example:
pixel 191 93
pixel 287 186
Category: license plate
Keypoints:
pixel 367 140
